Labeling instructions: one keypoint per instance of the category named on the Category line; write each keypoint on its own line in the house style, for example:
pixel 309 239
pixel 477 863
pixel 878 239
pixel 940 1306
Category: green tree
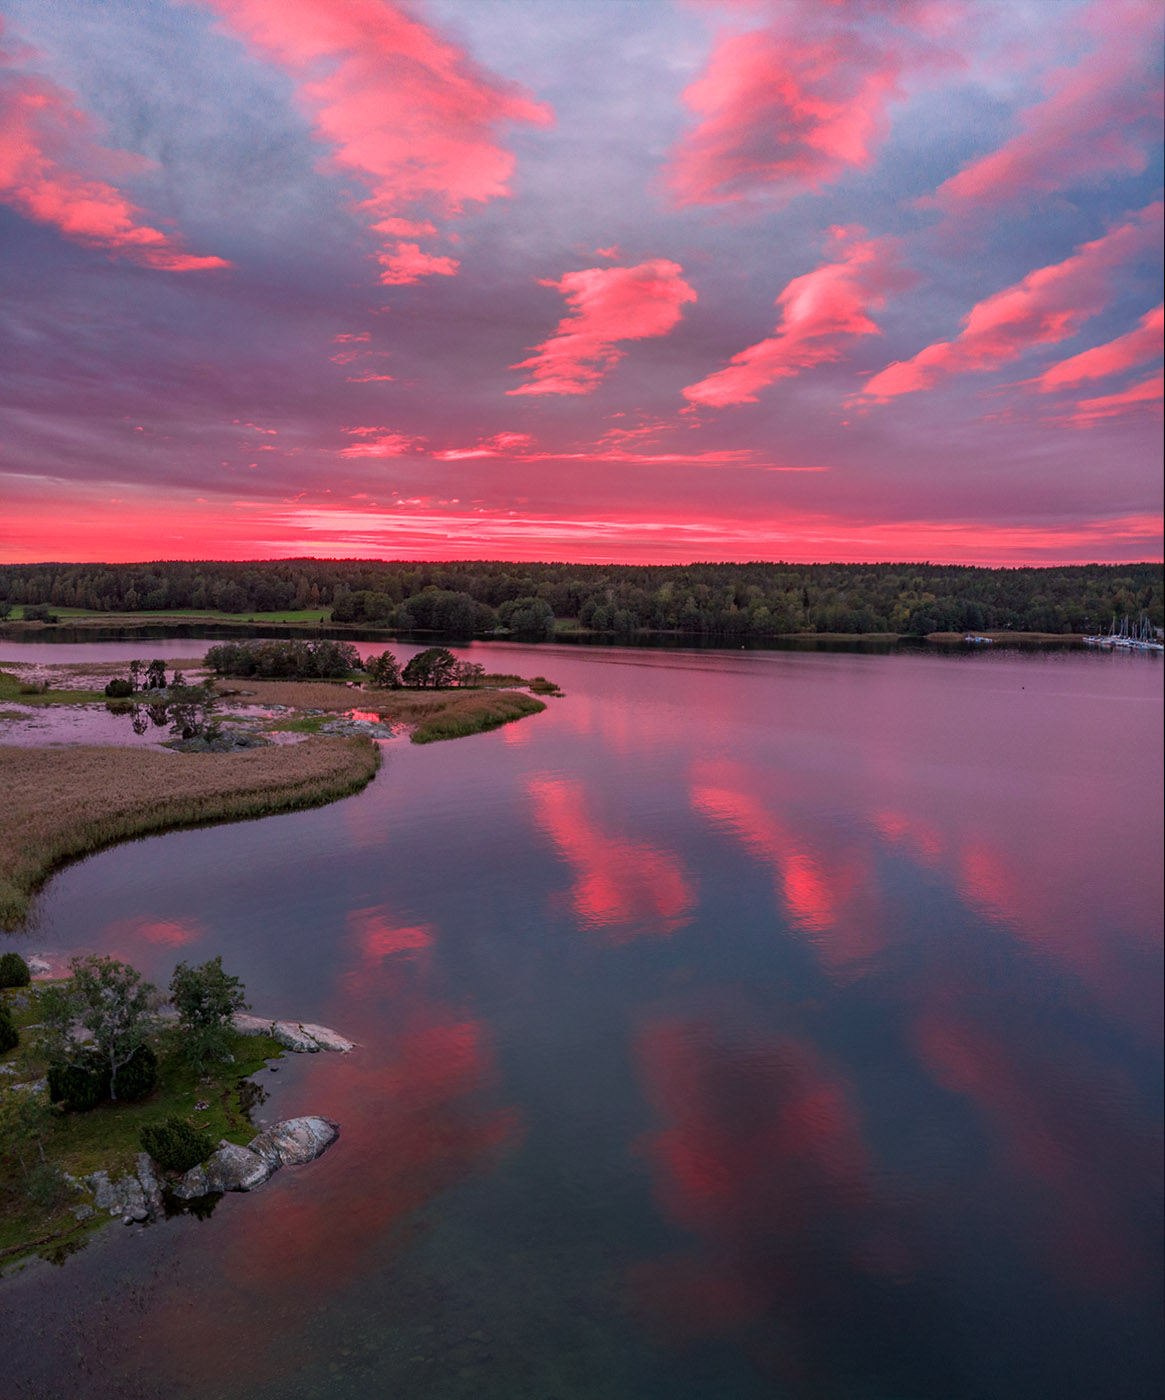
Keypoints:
pixel 114 1003
pixel 384 671
pixel 191 711
pixel 156 675
pixel 206 998
pixel 433 668
pixel 24 1120
pixel 14 971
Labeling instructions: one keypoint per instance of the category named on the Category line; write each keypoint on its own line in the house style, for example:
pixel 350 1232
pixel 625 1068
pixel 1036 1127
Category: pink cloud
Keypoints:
pixel 51 168
pixel 406 112
pixel 610 304
pixel 1145 395
pixel 371 378
pixel 384 444
pixel 1101 118
pixel 1133 348
pixel 818 312
pixel 1047 306
pixel 792 106
pixel 407 263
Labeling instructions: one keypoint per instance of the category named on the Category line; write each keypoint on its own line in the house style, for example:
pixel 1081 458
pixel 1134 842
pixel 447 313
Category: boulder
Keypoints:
pixel 295 1141
pixel 191 1185
pixel 289 1035
pixel 327 1039
pixel 151 1186
pixel 235 1168
pixel 250 1025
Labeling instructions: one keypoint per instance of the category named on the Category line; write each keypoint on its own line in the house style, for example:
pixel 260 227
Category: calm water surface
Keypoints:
pixel 746 1026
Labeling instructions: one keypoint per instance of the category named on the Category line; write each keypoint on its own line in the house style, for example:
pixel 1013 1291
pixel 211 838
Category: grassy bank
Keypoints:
pixel 432 714
pixel 470 713
pixel 108 1137
pixel 63 803
pixel 21 692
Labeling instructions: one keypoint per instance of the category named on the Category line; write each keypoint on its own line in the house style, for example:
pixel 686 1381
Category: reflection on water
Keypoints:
pixel 744 1025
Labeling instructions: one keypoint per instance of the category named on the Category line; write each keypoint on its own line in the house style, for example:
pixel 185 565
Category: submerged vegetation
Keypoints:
pixel 62 803
pixel 536 600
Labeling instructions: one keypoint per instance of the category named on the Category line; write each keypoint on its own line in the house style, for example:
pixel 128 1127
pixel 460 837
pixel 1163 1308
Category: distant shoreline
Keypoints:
pixel 16 629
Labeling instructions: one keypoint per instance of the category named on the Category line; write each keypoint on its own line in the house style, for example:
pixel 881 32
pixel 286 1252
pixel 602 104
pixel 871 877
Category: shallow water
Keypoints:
pixel 745 1025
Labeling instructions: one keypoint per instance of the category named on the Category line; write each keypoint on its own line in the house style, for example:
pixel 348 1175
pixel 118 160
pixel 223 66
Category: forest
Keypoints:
pixel 473 598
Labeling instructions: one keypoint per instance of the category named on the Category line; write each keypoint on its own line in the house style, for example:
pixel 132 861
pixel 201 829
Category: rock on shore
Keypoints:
pixel 233 1168
pixel 300 1037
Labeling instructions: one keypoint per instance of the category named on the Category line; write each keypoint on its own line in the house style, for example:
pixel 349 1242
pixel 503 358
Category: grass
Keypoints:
pixel 27 693
pixel 107 1137
pixel 433 714
pixel 313 616
pixel 63 803
pixel 469 713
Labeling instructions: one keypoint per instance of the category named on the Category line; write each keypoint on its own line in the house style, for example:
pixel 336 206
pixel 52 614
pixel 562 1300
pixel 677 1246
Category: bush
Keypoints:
pixel 77 1088
pixel 137 1078
pixel 175 1145
pixel 14 971
pixel 9 1035
pixel 119 689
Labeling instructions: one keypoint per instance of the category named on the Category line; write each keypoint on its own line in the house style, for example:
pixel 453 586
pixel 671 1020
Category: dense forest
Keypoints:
pixel 473 597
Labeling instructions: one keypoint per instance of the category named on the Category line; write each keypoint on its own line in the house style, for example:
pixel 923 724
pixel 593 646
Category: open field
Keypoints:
pixel 85 617
pixel 63 803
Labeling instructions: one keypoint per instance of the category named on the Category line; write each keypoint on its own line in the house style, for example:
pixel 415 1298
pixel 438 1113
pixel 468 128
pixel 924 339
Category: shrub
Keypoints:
pixel 14 971
pixel 119 688
pixel 175 1145
pixel 9 1035
pixel 77 1088
pixel 137 1078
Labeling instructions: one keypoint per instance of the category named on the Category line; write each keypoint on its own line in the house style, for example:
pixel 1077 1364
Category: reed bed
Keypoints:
pixel 63 803
pixel 435 714
pixel 471 713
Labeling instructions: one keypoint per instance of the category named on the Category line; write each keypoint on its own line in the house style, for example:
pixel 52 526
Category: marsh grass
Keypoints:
pixel 470 713
pixel 64 803
pixel 26 692
pixel 432 714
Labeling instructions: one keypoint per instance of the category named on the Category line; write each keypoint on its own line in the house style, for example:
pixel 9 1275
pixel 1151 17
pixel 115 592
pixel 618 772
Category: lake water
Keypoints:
pixel 748 1025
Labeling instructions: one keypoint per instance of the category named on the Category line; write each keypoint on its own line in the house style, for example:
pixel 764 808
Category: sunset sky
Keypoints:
pixel 636 280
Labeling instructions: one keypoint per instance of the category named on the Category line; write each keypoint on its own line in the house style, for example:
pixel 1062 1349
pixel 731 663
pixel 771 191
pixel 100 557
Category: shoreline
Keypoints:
pixel 64 804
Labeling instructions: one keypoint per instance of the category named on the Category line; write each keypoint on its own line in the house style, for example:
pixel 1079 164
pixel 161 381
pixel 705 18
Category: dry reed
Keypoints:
pixel 62 803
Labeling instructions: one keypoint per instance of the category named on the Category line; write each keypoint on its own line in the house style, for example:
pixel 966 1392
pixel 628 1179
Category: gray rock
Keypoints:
pixel 327 1039
pixel 102 1189
pixel 151 1186
pixel 83 1211
pixel 295 1141
pixel 192 1184
pixel 234 1168
pixel 251 1025
pixel 291 1037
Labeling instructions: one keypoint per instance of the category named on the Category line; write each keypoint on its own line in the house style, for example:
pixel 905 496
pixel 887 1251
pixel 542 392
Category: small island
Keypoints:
pixel 117 1102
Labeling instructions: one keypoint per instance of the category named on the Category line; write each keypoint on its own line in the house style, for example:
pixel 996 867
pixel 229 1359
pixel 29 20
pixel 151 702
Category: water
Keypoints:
pixel 747 1025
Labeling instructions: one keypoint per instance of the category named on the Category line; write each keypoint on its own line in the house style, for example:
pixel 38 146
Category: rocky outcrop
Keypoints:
pixel 295 1141
pixel 233 1168
pixel 292 1038
pixel 135 1196
pixel 300 1037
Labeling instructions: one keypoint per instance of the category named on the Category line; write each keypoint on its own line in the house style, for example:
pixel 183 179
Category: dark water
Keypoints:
pixel 745 1026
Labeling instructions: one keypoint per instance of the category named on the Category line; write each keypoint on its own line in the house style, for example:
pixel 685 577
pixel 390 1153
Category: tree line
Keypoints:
pixel 468 598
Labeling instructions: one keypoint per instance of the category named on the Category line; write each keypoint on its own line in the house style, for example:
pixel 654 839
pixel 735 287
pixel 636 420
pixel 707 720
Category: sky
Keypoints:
pixel 597 280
